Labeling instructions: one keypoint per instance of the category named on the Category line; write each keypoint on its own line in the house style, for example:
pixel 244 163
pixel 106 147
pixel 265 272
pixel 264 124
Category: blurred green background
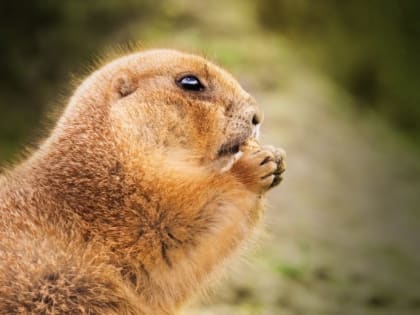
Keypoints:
pixel 340 87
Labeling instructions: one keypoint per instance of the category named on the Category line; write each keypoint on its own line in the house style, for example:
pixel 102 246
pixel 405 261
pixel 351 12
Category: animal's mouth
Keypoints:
pixel 231 147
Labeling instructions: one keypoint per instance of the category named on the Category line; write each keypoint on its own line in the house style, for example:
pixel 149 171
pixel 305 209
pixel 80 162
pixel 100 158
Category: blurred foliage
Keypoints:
pixel 370 47
pixel 42 43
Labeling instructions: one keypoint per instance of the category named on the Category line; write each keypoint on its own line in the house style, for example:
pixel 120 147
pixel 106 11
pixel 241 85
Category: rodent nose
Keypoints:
pixel 256 119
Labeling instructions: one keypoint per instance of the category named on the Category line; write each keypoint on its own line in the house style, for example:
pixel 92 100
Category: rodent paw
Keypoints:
pixel 261 168
pixel 279 159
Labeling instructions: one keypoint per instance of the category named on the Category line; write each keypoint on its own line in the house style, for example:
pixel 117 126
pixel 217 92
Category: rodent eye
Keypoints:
pixel 190 83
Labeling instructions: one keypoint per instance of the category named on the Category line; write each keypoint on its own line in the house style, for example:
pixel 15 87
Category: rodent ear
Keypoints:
pixel 123 85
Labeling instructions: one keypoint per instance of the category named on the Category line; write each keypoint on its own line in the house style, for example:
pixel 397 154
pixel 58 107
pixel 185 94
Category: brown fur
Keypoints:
pixel 127 208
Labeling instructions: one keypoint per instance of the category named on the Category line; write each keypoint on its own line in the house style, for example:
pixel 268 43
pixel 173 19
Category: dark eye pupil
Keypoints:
pixel 191 83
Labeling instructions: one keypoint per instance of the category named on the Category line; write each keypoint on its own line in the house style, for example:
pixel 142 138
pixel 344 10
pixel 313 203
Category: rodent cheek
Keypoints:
pixel 213 133
pixel 238 126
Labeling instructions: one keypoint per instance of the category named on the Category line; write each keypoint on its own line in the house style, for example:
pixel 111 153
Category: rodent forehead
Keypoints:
pixel 174 64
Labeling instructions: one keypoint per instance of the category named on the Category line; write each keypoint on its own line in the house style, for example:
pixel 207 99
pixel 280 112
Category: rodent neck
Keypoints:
pixel 76 168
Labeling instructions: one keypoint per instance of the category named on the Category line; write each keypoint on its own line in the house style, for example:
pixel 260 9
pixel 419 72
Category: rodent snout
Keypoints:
pixel 256 119
pixel 256 116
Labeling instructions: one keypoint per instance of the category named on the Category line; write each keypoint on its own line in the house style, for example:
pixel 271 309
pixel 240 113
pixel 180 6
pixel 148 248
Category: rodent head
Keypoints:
pixel 165 99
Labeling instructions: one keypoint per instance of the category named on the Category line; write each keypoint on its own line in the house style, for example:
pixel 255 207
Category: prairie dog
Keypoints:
pixel 149 181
